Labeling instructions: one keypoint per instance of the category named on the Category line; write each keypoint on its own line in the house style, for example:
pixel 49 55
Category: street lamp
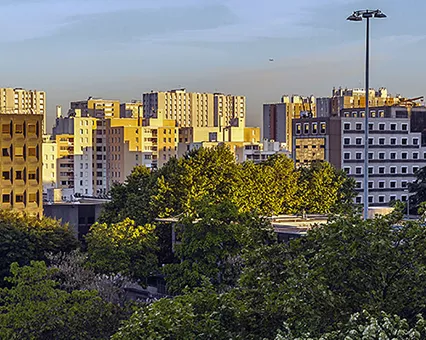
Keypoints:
pixel 358 16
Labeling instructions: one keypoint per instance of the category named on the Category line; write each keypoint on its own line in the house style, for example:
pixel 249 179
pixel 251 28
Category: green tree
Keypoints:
pixel 131 199
pixel 324 189
pixel 124 248
pixel 212 243
pixel 24 238
pixel 34 308
pixel 269 188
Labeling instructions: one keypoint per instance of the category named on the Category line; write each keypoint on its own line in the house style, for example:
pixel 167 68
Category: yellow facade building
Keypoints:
pixel 97 107
pixel 50 157
pixel 21 162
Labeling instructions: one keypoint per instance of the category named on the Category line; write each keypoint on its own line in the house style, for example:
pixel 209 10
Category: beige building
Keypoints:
pixel 21 162
pixel 50 157
pixel 97 107
pixel 134 109
pixel 65 161
pixel 192 109
pixel 18 100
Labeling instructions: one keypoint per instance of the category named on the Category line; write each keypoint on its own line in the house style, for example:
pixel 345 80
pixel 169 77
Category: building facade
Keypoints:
pixel 21 162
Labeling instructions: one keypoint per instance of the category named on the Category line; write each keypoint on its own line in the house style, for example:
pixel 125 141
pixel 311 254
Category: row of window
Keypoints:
pixel 382 170
pixel 381 141
pixel 313 128
pixel 382 185
pixel 19 129
pixel 20 151
pixel 380 126
pixel 372 113
pixel 380 199
pixel 20 198
pixel 383 156
pixel 19 175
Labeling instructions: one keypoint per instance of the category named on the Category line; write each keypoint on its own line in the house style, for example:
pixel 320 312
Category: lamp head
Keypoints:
pixel 354 17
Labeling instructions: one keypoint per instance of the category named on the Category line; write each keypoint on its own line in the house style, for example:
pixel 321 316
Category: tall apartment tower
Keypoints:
pixel 192 109
pixel 97 108
pixel 18 100
pixel 21 162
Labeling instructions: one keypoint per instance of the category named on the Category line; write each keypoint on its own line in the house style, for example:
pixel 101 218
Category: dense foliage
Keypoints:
pixel 309 288
pixel 269 188
pixel 24 238
pixel 35 308
pixel 124 248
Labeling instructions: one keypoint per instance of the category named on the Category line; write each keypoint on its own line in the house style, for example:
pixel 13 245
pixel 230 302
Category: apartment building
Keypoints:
pixel 134 109
pixel 354 98
pixel 397 148
pixel 192 109
pixel 65 161
pixel 97 108
pixel 21 183
pixel 18 101
pixel 277 118
pixel 49 156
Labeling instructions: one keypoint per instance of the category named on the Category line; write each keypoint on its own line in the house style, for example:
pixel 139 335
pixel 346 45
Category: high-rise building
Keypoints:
pixel 18 101
pixel 134 109
pixel 50 158
pixel 192 109
pixel 21 162
pixel 97 108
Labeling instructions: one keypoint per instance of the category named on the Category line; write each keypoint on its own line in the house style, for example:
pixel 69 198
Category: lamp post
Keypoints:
pixel 359 16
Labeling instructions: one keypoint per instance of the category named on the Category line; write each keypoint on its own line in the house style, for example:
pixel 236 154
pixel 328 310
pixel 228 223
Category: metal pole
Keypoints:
pixel 367 86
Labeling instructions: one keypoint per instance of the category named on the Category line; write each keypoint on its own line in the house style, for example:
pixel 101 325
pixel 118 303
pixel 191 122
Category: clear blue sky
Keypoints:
pixel 120 48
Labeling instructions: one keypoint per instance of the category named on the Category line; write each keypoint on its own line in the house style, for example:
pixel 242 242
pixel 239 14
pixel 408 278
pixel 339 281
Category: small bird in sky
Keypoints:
pixel 271 59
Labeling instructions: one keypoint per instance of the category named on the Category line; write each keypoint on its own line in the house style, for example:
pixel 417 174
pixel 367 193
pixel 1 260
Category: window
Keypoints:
pixel 347 155
pixel 6 198
pixel 358 141
pixel 18 175
pixel 5 129
pixel 358 170
pixel 19 198
pixel 393 184
pixel 381 141
pixel 404 155
pixel 358 200
pixel 32 175
pixel 415 169
pixel 370 199
pixel 314 128
pixel 370 170
pixel 404 184
pixel 393 155
pixel 358 126
pixel 5 152
pixel 370 141
pixel 298 128
pixel 403 198
pixel 19 151
pixel 393 127
pixel 358 155
pixel 370 126
pixel 415 141
pixel 404 170
pixel 381 127
pixel 381 184
pixel 347 126
pixel 358 185
pixel 381 199
pixel 347 141
pixel 393 170
pixel 32 198
pixel 381 155
pixel 5 175
pixel 404 141
pixel 19 128
pixel 393 141
pixel 306 128
pixel 381 170
pixel 370 185
pixel 370 155
pixel 347 170
pixel 32 129
pixel 404 127
pixel 32 152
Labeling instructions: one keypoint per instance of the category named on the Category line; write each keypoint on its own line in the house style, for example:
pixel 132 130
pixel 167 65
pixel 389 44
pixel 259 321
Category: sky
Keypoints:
pixel 118 49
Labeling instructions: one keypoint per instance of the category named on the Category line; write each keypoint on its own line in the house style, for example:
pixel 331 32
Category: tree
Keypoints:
pixel 24 238
pixel 324 189
pixel 131 199
pixel 418 188
pixel 211 245
pixel 367 327
pixel 124 248
pixel 34 308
